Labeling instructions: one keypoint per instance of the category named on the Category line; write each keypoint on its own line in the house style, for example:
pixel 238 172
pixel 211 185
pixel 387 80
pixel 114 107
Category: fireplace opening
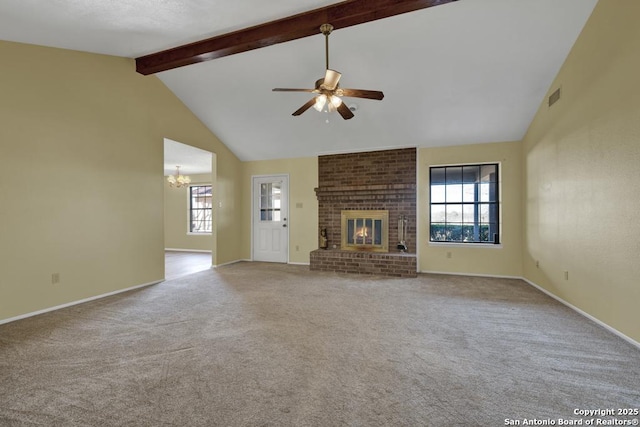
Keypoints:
pixel 365 230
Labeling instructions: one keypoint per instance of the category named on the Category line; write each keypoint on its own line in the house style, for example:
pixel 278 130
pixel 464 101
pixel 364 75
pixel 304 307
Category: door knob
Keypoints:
pixel 284 225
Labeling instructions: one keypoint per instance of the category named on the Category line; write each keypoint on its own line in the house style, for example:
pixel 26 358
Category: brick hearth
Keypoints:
pixel 396 264
pixel 379 180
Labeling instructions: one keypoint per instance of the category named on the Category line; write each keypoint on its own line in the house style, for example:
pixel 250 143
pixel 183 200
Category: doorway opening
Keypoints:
pixel 191 202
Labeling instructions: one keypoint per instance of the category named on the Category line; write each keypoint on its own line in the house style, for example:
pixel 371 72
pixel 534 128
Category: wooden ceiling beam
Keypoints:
pixel 340 15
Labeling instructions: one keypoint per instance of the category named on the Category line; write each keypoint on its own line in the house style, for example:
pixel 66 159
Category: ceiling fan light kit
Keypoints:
pixel 327 103
pixel 328 90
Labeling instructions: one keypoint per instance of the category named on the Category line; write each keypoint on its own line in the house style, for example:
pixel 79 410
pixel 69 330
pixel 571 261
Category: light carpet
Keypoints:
pixel 258 344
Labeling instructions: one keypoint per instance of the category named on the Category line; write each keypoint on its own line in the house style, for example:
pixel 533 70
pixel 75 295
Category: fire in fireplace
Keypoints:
pixel 365 230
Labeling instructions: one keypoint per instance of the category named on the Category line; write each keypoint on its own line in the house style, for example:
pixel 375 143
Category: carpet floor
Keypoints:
pixel 258 344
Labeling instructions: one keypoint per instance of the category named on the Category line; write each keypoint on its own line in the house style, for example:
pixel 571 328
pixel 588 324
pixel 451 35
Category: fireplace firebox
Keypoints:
pixel 366 230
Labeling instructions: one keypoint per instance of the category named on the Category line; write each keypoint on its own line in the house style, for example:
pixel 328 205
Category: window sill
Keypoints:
pixel 198 234
pixel 468 245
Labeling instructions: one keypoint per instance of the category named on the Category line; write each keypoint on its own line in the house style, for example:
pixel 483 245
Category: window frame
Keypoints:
pixel 496 240
pixel 191 209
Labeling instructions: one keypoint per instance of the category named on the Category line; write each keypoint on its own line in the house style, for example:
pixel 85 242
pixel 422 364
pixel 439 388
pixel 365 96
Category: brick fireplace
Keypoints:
pixel 368 184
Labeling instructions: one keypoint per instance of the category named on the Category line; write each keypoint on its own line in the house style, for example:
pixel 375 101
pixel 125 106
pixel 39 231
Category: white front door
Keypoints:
pixel 270 218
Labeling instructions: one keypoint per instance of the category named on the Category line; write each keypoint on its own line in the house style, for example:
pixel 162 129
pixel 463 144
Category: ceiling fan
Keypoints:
pixel 328 89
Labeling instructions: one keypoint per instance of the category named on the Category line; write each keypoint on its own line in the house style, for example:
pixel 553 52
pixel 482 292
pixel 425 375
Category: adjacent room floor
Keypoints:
pixel 179 263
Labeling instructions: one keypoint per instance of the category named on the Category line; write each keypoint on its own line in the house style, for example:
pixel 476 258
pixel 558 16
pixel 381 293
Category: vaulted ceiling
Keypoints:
pixel 470 71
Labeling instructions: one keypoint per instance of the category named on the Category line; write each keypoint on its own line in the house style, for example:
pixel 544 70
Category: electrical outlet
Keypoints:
pixel 537 264
pixel 449 255
pixel 566 275
pixel 297 248
pixel 55 278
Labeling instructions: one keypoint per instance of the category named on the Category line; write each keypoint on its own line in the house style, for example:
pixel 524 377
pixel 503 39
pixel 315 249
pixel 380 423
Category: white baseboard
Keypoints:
pixel 69 304
pixel 557 298
pixel 470 274
pixel 231 262
pixel 585 314
pixel 250 260
pixel 540 288
pixel 187 250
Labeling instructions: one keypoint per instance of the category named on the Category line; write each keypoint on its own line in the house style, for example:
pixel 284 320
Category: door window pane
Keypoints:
pixel 270 201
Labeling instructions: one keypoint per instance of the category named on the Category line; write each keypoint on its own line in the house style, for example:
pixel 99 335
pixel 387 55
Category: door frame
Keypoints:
pixel 284 176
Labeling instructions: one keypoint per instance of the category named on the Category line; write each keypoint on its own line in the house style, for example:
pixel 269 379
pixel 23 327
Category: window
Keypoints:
pixel 464 204
pixel 270 197
pixel 200 209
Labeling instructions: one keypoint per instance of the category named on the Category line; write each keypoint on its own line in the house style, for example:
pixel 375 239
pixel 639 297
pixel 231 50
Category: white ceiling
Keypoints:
pixel 191 160
pixel 467 72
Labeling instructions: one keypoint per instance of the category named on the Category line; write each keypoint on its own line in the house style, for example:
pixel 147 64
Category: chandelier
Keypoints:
pixel 178 180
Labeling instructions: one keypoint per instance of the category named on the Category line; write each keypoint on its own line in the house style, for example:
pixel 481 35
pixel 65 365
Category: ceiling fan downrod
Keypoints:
pixel 326 30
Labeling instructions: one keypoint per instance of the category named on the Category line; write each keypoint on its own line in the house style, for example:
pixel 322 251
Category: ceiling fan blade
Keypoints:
pixel 305 107
pixel 344 111
pixel 331 79
pixel 361 93
pixel 284 89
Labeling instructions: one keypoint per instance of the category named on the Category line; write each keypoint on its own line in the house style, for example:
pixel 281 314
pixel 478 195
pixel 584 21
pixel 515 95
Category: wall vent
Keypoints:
pixel 554 97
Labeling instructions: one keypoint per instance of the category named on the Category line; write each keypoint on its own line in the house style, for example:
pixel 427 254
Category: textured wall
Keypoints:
pixel 504 259
pixel 303 206
pixel 81 142
pixel 582 159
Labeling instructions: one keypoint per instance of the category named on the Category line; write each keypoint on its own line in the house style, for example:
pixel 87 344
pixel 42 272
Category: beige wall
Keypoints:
pixel 303 221
pixel 83 136
pixel 498 260
pixel 176 218
pixel 581 158
pixel 81 147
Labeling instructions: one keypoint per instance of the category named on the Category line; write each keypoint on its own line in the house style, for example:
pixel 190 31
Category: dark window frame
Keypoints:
pixel 200 215
pixel 474 189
